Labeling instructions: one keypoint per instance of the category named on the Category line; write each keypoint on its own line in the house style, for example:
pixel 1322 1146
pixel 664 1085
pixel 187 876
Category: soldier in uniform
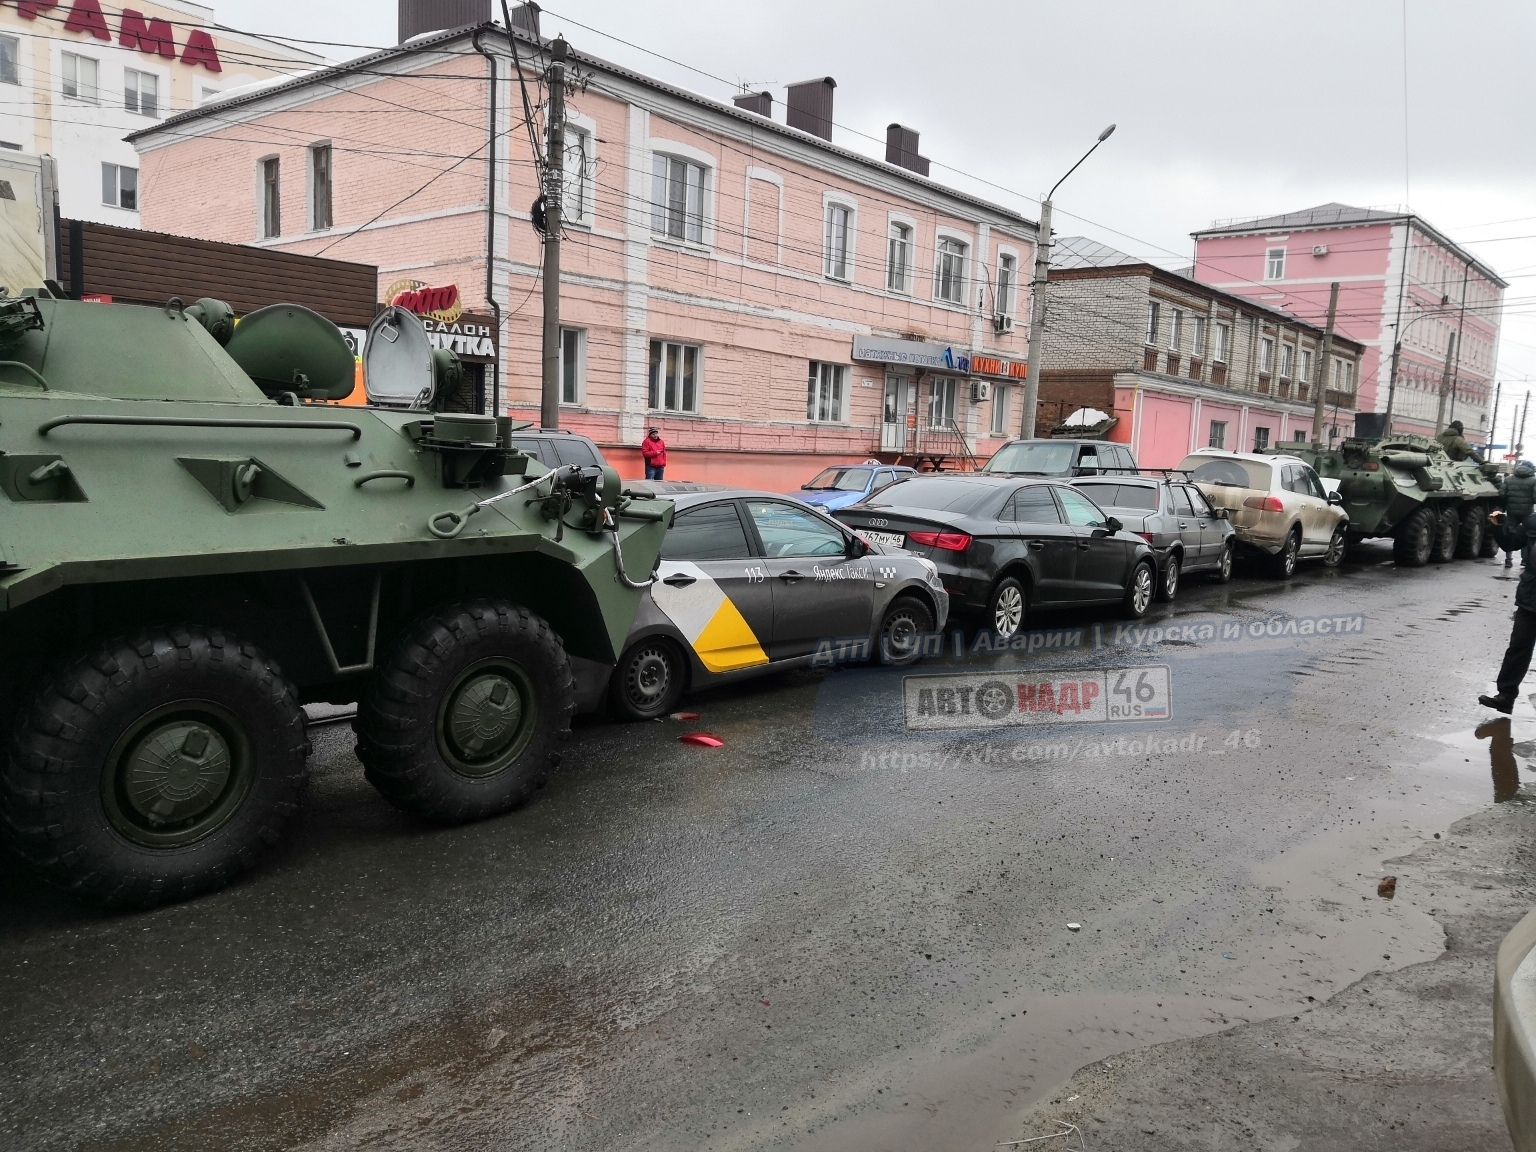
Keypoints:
pixel 1455 444
pixel 1519 503
pixel 1522 639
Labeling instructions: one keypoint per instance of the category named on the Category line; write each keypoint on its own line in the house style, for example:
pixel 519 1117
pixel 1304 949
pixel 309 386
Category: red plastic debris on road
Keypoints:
pixel 702 739
pixel 683 716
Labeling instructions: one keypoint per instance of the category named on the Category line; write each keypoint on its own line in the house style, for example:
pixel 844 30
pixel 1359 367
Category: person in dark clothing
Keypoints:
pixel 1522 639
pixel 1519 503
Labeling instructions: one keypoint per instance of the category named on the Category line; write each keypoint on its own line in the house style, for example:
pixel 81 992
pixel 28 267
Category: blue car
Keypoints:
pixel 845 484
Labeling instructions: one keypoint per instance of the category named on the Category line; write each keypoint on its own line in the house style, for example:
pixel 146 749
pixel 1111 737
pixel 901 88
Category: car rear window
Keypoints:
pixel 1034 456
pixel 534 448
pixel 1224 473
pixel 1143 497
pixel 943 494
pixel 575 451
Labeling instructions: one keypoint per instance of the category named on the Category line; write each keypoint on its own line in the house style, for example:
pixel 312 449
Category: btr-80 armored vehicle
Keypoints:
pixel 1406 487
pixel 193 545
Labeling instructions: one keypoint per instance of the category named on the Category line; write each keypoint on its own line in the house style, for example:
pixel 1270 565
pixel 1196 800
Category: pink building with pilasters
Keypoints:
pixel 1399 278
pixel 771 301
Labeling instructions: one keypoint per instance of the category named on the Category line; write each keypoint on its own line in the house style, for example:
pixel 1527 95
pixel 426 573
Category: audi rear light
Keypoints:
pixel 949 541
pixel 1264 503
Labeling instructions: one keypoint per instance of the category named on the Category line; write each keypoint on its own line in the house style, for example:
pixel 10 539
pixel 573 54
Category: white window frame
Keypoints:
pixel 312 188
pixel 263 231
pixel 831 203
pixel 136 77
pixel 1223 348
pixel 1154 320
pixel 967 246
pixel 71 61
pixel 117 171
pixel 1175 329
pixel 1274 263
pixel 674 150
pixel 15 46
pixel 578 336
pixel 826 393
pixel 657 386
pixel 1266 354
pixel 1006 303
pixel 1217 434
pixel 949 386
pixel 1287 359
pixel 1257 446
pixel 1197 337
pixel 583 131
pixel 894 221
pixel 1000 409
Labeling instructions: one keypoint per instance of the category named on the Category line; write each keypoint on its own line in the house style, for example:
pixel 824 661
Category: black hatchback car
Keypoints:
pixel 1006 546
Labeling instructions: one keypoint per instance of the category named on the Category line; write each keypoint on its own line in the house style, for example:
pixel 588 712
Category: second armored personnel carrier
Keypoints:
pixel 1406 487
pixel 194 544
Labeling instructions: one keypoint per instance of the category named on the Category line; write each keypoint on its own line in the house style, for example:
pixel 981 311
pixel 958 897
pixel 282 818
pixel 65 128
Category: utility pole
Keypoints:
pixel 1518 447
pixel 1493 421
pixel 1324 362
pixel 1036 322
pixel 1037 297
pixel 554 188
pixel 1445 384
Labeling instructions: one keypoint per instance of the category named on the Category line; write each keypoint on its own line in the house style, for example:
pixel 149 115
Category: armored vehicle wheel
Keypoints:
pixel 463 719
pixel 1414 539
pixel 1336 549
pixel 1168 584
pixel 1282 565
pixel 648 681
pixel 1469 540
pixel 158 766
pixel 1446 531
pixel 1490 544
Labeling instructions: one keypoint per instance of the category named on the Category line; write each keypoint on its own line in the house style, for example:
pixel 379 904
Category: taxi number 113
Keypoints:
pixel 756 575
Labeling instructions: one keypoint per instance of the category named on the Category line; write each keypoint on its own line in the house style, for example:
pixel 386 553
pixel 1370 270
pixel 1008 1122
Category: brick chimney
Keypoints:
pixel 809 106
pixel 759 102
pixel 901 149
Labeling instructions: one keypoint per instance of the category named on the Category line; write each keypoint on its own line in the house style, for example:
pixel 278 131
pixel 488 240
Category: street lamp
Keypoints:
pixel 1037 296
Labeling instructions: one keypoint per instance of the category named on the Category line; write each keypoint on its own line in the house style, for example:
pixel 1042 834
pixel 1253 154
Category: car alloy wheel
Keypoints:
pixel 1168 587
pixel 1224 565
pixel 1336 546
pixel 1141 589
pixel 1008 608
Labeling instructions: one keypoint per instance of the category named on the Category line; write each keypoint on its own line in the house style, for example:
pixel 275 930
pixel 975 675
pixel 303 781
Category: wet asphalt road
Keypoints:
pixel 829 933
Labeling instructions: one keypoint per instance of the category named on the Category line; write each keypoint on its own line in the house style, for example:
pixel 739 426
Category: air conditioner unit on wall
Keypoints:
pixel 981 390
pixel 1003 323
pixel 1319 249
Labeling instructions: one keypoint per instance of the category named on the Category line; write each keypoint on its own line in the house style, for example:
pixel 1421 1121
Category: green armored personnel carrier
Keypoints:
pixel 1406 487
pixel 193 545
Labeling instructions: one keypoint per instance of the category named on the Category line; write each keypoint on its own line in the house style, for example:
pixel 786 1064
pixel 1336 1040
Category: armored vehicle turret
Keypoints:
pixel 1406 487
pixel 195 543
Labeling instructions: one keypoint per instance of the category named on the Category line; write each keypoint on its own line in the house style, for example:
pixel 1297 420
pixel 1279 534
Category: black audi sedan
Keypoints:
pixel 1005 546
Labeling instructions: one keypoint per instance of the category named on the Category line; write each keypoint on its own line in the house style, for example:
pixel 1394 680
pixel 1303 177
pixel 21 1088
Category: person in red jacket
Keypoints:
pixel 654 449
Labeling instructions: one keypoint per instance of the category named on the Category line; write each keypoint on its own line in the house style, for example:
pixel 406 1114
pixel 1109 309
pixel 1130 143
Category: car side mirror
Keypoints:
pixel 1113 524
pixel 1221 514
pixel 1335 498
pixel 857 549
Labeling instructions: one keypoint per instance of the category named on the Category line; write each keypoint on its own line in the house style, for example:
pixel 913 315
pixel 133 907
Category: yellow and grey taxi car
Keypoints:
pixel 753 582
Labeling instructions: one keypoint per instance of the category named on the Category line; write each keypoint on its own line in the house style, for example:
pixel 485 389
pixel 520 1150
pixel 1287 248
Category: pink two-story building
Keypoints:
pixel 771 301
pixel 1400 281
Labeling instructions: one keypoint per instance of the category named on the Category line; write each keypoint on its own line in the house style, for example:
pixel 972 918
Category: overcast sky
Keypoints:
pixel 1226 108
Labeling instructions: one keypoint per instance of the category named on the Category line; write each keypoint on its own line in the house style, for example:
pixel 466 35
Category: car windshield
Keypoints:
pixel 1142 497
pixel 940 494
pixel 1223 472
pixel 840 480
pixel 1033 456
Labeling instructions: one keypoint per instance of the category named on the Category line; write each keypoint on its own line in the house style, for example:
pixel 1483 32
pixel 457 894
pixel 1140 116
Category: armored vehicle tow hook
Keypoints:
pixel 457 518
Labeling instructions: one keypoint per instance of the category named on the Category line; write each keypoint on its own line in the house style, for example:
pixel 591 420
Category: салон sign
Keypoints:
pixel 152 36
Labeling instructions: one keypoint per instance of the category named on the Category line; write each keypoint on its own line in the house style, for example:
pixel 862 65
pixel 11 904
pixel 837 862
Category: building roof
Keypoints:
pixel 1336 215
pixel 1081 252
pixel 427 42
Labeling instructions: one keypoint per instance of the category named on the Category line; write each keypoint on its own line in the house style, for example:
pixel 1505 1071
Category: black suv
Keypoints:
pixel 1066 459
pixel 553 447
